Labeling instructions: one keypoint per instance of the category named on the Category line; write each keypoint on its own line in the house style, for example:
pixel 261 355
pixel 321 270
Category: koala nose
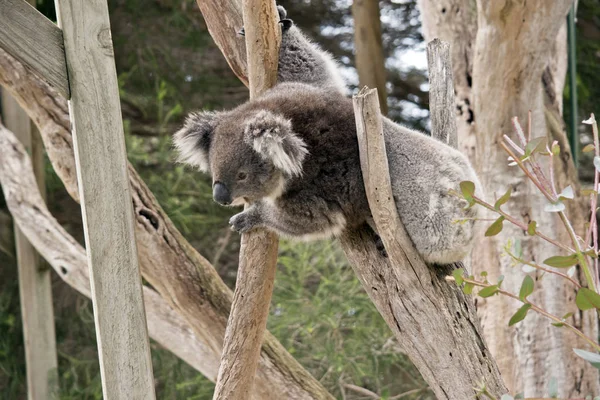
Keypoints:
pixel 221 194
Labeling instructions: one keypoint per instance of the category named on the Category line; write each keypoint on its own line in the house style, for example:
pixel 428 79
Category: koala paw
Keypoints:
pixel 244 222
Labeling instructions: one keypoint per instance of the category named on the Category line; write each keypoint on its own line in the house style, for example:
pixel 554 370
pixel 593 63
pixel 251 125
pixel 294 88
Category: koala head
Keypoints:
pixel 250 155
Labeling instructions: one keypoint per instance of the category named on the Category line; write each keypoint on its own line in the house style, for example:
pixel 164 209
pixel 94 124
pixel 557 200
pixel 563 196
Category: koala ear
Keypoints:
pixel 271 136
pixel 193 140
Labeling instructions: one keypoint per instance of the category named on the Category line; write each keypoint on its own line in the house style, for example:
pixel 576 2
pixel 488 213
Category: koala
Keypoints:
pixel 301 60
pixel 292 155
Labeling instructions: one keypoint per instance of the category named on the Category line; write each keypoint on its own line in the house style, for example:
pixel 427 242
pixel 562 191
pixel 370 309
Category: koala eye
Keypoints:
pixel 241 176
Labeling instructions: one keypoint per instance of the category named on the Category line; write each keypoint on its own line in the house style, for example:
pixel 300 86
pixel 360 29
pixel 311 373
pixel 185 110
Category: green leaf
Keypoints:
pixel 526 287
pixel 468 190
pixel 505 197
pixel 592 358
pixel 562 261
pixel 458 275
pixel 591 253
pixel 531 228
pixel 587 299
pixel 535 145
pixel 588 192
pixel 519 396
pixel 488 291
pixel 597 163
pixel 555 148
pixel 590 147
pixel 567 193
pixel 495 228
pixel 468 288
pixel 553 388
pixel 519 315
pixel 558 324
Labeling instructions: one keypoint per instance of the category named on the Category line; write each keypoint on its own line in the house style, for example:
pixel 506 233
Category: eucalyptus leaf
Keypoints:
pixel 458 275
pixel 531 228
pixel 468 189
pixel 488 291
pixel 590 147
pixel 592 358
pixel 562 261
pixel 526 287
pixel 567 193
pixel 502 200
pixel 519 396
pixel 496 227
pixel 519 315
pixel 587 299
pixel 468 288
pixel 554 207
pixel 535 145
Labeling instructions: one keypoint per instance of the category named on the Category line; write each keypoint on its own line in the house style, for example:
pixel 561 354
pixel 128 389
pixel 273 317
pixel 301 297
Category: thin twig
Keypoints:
pixel 361 390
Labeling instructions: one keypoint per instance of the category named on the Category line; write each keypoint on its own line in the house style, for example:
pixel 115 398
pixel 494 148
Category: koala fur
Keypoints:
pixel 292 154
pixel 300 60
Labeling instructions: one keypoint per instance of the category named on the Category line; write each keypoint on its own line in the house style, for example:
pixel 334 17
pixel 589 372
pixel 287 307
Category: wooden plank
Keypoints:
pixel 35 286
pixel 34 40
pixel 101 160
pixel 442 107
pixel 258 252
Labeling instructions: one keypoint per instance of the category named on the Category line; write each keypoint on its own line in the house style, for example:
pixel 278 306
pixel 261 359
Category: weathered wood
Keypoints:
pixel 414 299
pixel 190 285
pixel 258 251
pixel 370 62
pixel 34 40
pixel 35 286
pixel 123 346
pixel 441 93
pixel 224 20
pixel 68 258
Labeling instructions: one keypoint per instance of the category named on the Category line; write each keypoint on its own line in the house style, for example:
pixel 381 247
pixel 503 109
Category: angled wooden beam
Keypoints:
pixel 37 42
pixel 105 194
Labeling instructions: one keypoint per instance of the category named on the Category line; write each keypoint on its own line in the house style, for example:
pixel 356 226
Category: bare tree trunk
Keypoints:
pixel 368 48
pixel 516 63
pixel 184 278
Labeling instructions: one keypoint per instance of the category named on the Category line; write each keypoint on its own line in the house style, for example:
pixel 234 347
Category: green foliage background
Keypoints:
pixel 168 65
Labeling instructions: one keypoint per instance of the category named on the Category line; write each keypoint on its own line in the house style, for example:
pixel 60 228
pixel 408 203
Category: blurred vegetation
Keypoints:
pixel 168 65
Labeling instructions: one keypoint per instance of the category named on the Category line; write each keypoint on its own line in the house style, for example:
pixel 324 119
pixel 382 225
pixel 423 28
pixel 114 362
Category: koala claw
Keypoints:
pixel 243 222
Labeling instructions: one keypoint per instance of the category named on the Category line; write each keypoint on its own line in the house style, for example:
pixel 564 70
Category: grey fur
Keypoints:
pixel 301 60
pixel 329 195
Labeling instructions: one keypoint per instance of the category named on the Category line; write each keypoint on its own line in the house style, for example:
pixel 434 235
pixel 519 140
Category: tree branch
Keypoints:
pixel 413 298
pixel 258 250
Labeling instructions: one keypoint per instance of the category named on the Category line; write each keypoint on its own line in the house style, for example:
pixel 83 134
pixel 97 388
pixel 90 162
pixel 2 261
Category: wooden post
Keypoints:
pixel 35 286
pixel 258 254
pixel 442 106
pixel 95 111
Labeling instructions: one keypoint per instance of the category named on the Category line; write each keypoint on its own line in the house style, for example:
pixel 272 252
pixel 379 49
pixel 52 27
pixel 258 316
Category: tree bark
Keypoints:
pixel 516 64
pixel 258 251
pixel 184 278
pixel 370 62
